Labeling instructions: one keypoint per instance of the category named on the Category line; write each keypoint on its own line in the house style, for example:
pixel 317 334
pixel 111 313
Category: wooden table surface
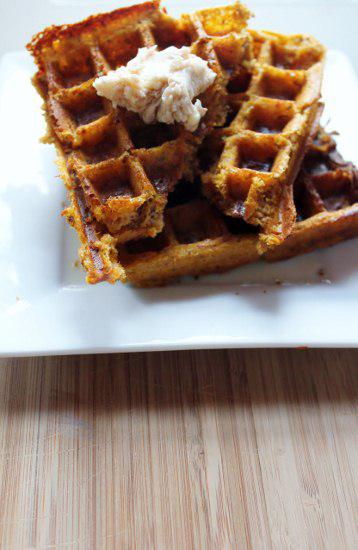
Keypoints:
pixel 208 449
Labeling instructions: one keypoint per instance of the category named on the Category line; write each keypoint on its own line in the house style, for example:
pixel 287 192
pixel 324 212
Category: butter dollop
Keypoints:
pixel 160 86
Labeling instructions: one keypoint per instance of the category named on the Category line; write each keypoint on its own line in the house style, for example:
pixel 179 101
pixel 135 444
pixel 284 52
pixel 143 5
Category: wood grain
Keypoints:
pixel 210 449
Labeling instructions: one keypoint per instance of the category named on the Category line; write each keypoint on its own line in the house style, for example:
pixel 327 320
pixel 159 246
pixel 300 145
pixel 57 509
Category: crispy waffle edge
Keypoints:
pixel 46 37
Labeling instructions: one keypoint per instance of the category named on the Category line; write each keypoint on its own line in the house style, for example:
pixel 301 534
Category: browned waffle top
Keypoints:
pixel 258 154
pixel 261 112
pixel 198 239
pixel 126 167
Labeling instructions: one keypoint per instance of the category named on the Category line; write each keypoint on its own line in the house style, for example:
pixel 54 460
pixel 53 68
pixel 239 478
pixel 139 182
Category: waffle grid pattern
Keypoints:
pixel 265 142
pixel 126 168
pixel 263 110
pixel 198 239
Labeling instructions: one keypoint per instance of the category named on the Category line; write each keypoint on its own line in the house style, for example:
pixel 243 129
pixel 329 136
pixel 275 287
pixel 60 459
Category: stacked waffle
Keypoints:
pixel 259 178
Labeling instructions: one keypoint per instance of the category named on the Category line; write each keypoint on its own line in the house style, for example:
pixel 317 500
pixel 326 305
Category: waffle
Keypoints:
pixel 326 198
pixel 198 239
pixel 125 167
pixel 273 107
pixel 220 36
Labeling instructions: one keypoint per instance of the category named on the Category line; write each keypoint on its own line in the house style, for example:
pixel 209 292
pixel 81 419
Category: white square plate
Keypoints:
pixel 45 306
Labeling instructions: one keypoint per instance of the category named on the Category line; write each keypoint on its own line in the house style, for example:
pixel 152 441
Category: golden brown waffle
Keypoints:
pixel 125 167
pixel 260 152
pixel 220 36
pixel 194 241
pixel 326 198
pixel 198 239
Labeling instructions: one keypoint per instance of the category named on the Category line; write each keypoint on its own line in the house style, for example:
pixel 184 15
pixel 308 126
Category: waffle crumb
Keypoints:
pixel 323 276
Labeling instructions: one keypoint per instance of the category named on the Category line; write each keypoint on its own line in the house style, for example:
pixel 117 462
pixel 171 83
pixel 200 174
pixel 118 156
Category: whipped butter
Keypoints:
pixel 160 86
